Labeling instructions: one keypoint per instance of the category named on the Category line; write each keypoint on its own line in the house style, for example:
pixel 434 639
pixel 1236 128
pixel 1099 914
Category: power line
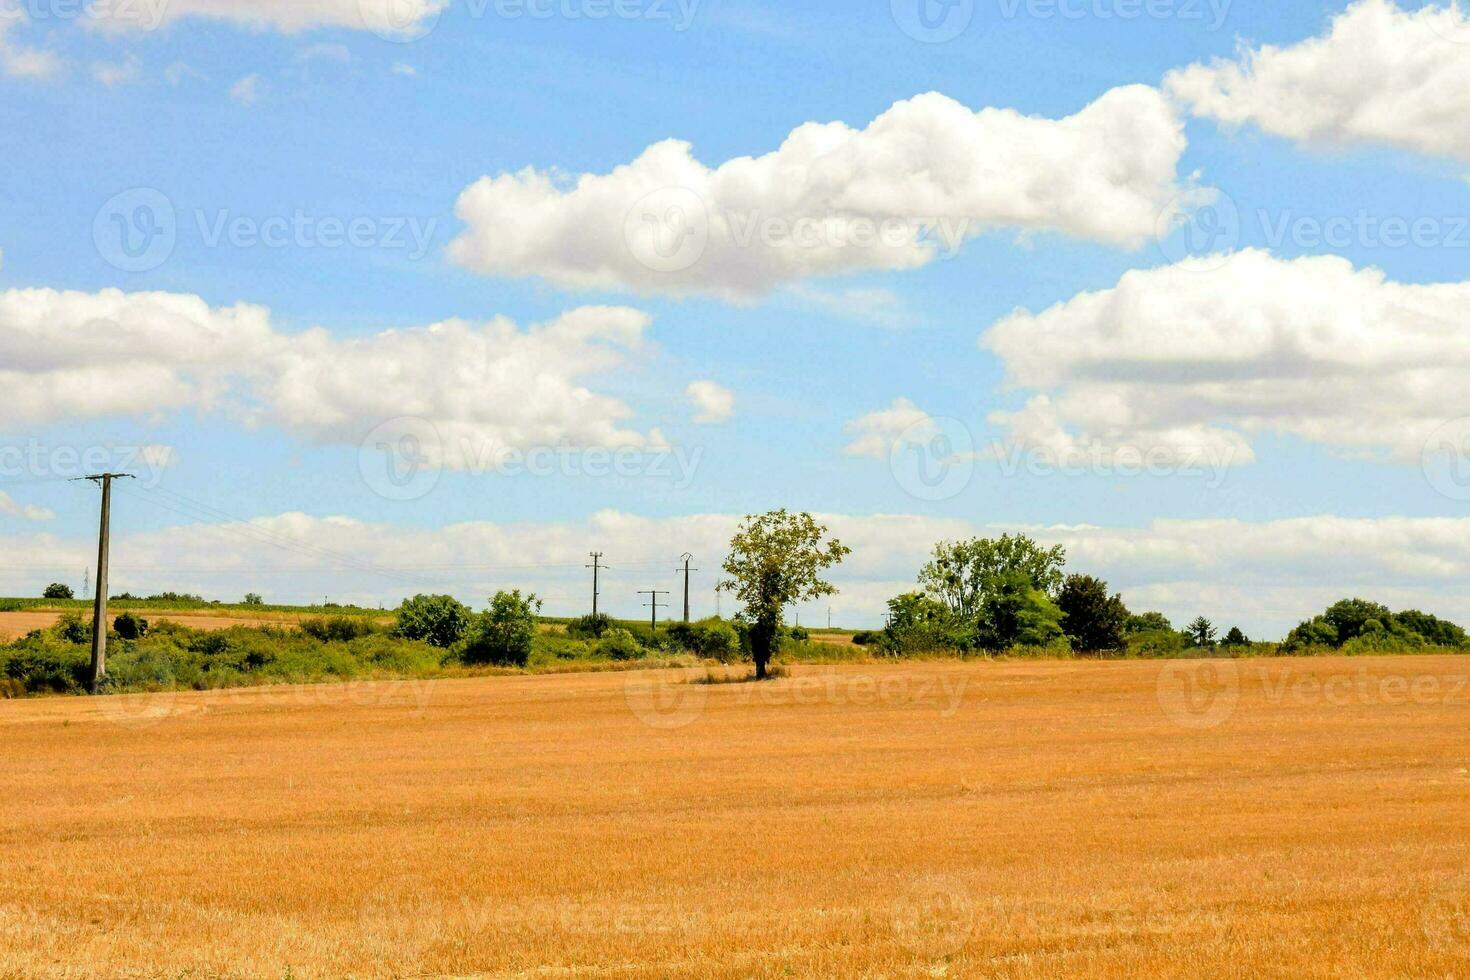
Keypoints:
pixel 653 594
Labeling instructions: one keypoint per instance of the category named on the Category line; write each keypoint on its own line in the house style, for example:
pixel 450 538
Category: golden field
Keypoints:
pixel 1273 818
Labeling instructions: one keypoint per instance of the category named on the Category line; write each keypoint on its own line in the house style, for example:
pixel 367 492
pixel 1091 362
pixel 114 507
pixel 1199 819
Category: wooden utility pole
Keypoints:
pixel 687 558
pixel 99 607
pixel 654 594
pixel 596 567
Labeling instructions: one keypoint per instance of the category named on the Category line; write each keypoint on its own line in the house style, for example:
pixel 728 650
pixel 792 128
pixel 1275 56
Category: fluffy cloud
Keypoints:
pixel 713 403
pixel 875 434
pixel 1196 358
pixel 387 17
pixel 921 178
pixel 70 356
pixel 1379 75
pixel 1264 576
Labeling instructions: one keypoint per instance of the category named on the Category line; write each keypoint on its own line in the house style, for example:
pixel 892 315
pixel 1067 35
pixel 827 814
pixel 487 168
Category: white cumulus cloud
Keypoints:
pixel 713 403
pixel 483 386
pixel 1378 75
pixel 920 179
pixel 876 434
pixel 1200 357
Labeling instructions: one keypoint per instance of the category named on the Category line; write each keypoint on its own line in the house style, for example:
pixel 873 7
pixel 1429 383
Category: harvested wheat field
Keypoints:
pixel 1282 818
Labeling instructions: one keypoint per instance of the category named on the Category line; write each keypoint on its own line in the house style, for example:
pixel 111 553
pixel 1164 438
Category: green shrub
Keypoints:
pixel 439 620
pixel 337 629
pixel 590 627
pixel 130 627
pixel 867 638
pixel 710 638
pixel 70 629
pixel 619 644
pixel 504 634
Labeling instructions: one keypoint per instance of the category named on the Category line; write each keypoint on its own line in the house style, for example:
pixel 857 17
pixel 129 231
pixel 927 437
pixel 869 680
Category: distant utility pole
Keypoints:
pixel 99 607
pixel 654 594
pixel 829 617
pixel 86 580
pixel 687 558
pixel 596 567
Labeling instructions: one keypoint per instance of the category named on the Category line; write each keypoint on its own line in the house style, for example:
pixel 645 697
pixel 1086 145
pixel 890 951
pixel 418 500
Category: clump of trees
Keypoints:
pixel 996 594
pixel 1360 626
pixel 57 590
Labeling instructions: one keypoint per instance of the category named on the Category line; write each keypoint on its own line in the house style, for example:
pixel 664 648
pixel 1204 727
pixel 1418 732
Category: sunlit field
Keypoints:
pixel 1272 818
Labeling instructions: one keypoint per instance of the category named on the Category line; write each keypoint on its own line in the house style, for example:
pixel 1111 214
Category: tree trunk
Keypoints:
pixel 763 647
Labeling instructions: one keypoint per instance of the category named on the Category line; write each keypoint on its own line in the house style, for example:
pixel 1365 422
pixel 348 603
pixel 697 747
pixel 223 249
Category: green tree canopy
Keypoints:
pixel 1017 613
pixel 963 574
pixel 1094 620
pixel 777 559
pixel 503 633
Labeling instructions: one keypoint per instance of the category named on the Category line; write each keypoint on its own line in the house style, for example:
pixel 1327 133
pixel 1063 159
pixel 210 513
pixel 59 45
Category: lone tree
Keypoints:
pixel 58 591
pixel 1201 633
pixel 776 559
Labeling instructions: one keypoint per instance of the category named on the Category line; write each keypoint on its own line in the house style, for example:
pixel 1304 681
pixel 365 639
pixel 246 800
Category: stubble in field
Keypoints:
pixel 1250 818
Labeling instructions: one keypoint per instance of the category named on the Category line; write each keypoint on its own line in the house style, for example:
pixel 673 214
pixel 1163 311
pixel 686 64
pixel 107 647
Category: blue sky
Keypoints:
pixel 340 123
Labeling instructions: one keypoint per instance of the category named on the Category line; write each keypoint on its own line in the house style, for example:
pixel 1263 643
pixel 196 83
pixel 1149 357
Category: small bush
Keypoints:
pixel 504 634
pixel 130 627
pixel 71 629
pixel 337 629
pixel 867 638
pixel 709 638
pixel 619 644
pixel 590 627
pixel 438 620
